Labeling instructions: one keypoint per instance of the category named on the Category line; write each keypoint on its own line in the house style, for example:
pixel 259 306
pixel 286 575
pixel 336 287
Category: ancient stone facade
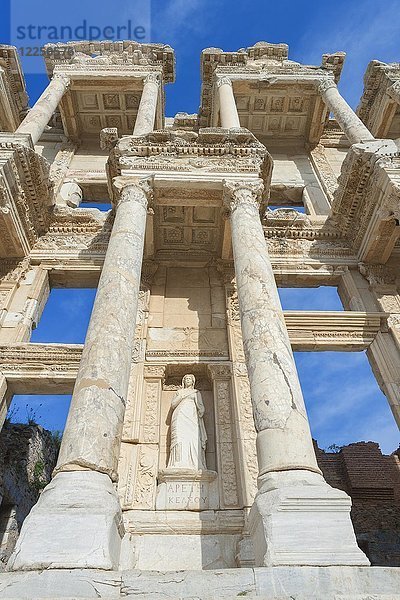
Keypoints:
pixel 158 471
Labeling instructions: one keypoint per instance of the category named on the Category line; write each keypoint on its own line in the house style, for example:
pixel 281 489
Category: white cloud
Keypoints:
pixel 364 30
pixel 343 400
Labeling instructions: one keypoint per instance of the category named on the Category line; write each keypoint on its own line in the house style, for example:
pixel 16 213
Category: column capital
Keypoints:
pixel 63 77
pixel 224 80
pixel 152 78
pixel 394 91
pixel 237 193
pixel 129 189
pixel 326 84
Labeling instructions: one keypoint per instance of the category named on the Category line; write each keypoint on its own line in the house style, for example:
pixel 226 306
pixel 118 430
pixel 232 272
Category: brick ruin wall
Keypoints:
pixel 372 479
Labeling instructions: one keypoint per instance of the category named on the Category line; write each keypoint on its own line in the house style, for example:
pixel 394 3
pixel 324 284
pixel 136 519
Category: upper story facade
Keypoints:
pixel 326 177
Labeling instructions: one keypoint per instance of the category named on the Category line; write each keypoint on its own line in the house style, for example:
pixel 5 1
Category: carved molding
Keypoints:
pixel 26 195
pixel 121 55
pixel 224 423
pixel 365 206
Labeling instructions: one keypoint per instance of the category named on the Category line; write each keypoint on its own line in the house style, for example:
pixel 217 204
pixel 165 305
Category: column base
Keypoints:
pixel 77 523
pixel 298 519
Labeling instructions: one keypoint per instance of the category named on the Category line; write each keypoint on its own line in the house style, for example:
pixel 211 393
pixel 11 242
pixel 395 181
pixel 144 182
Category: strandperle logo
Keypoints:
pixel 83 31
pixel 33 25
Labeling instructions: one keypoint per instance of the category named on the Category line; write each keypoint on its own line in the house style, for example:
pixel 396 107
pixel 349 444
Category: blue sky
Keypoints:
pixel 365 29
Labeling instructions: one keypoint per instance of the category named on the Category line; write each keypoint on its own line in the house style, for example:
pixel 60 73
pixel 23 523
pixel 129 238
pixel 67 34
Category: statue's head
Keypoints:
pixel 188 381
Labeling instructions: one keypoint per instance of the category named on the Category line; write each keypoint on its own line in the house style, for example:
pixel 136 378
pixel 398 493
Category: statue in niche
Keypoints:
pixel 188 434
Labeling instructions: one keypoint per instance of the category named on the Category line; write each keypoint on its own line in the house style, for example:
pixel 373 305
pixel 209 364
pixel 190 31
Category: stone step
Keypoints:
pixel 270 583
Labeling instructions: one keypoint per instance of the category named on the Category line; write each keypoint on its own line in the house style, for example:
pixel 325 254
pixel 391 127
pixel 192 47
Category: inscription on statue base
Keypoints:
pixel 181 489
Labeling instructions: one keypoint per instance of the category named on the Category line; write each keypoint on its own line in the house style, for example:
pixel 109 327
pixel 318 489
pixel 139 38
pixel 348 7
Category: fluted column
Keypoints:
pixel 146 115
pixel 77 522
pixel 41 113
pixel 349 122
pixel 93 431
pixel 291 519
pixel 227 103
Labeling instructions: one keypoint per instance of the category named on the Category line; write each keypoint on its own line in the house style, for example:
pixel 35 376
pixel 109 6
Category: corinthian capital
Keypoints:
pixel 325 84
pixel 237 193
pixel 152 78
pixel 223 81
pixel 394 91
pixel 129 189
pixel 62 77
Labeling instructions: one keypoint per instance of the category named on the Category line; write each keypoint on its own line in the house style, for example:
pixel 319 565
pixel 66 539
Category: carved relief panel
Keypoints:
pixel 242 408
pixel 225 434
pixel 138 472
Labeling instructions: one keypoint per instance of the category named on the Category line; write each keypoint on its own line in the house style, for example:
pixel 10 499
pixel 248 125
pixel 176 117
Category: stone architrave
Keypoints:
pixel 146 115
pixel 283 522
pixel 81 499
pixel 350 123
pixel 39 116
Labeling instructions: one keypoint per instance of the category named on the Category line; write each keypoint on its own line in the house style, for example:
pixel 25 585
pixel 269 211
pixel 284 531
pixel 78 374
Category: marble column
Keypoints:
pixel 146 115
pixel 77 521
pixel 349 122
pixel 93 430
pixel 284 438
pixel 291 519
pixel 41 113
pixel 227 104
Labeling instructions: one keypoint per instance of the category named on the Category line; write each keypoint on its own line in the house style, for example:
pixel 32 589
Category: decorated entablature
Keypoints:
pixel 275 96
pixel 188 170
pixel 13 96
pixel 26 196
pixel 379 104
pixel 104 83
pixel 366 203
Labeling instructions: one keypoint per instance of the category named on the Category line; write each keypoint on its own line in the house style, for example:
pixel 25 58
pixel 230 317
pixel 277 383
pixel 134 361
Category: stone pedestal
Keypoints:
pixel 298 519
pixel 184 489
pixel 294 504
pixel 76 524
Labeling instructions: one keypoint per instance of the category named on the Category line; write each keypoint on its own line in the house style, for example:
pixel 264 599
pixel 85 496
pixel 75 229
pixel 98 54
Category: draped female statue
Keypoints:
pixel 188 434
